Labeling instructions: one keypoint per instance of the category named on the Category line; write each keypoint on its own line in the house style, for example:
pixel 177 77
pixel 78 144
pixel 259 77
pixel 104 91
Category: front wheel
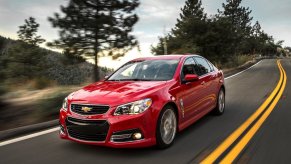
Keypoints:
pixel 220 105
pixel 166 127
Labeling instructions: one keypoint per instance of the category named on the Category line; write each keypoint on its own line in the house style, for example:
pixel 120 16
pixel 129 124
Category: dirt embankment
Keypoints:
pixel 25 107
pixel 232 71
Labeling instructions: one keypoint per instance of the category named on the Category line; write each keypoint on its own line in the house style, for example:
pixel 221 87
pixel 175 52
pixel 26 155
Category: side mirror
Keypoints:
pixel 190 77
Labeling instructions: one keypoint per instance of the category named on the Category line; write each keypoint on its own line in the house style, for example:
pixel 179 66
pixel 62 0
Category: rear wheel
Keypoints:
pixel 220 105
pixel 166 127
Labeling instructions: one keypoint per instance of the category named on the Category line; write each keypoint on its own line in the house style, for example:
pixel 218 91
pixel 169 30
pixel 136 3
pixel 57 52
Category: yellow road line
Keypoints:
pixel 231 156
pixel 228 141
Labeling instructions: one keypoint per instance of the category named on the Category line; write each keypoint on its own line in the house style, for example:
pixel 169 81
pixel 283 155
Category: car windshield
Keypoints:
pixel 146 70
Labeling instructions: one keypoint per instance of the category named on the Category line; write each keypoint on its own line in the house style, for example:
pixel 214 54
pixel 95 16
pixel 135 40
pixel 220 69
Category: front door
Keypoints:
pixel 191 93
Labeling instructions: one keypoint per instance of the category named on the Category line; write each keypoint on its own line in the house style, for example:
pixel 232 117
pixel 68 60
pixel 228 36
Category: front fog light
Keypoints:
pixel 127 135
pixel 136 136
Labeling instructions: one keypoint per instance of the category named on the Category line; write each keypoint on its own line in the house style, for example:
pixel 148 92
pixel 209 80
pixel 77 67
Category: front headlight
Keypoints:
pixel 65 104
pixel 134 107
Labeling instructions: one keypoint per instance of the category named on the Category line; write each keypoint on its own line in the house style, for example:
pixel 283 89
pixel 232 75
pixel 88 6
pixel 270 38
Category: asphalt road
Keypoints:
pixel 244 94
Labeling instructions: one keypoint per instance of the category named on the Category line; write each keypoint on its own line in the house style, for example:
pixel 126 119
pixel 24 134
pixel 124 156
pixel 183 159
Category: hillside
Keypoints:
pixel 21 63
pixel 34 81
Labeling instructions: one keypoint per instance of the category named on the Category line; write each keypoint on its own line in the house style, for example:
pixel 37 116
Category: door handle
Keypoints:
pixel 203 83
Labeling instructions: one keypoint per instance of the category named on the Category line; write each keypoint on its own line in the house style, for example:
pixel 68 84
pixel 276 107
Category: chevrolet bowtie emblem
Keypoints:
pixel 86 109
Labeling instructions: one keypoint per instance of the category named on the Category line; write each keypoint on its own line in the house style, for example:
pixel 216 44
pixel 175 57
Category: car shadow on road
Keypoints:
pixel 181 143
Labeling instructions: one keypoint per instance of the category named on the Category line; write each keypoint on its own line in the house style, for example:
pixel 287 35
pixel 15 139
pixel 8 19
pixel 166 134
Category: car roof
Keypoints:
pixel 169 57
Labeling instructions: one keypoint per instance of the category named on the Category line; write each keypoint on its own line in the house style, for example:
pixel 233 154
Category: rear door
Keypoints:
pixel 205 73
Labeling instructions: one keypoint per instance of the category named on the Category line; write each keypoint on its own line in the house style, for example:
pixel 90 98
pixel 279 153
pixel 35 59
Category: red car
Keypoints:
pixel 144 103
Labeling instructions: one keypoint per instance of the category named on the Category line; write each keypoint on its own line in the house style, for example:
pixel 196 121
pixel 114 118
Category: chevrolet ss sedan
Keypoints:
pixel 144 103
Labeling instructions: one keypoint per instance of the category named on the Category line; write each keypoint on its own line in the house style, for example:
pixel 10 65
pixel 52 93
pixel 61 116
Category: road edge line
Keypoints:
pixel 243 70
pixel 28 136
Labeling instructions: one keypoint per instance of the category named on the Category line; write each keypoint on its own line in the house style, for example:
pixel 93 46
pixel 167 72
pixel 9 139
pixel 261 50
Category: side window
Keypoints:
pixel 202 66
pixel 211 66
pixel 188 67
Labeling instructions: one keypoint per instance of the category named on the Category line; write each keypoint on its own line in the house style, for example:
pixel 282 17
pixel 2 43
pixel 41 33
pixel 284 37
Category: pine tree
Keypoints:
pixel 240 19
pixel 27 32
pixel 257 30
pixel 221 37
pixel 191 16
pixel 187 31
pixel 192 9
pixel 239 15
pixel 94 27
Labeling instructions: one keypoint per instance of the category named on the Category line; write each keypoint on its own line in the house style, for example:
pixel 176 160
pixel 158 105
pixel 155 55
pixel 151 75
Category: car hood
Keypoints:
pixel 115 92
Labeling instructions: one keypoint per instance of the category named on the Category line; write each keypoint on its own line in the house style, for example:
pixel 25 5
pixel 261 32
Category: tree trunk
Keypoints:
pixel 96 49
pixel 96 70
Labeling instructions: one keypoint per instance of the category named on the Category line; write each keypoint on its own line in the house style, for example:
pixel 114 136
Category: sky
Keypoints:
pixel 155 17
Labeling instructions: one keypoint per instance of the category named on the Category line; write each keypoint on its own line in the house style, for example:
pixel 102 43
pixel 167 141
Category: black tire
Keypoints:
pixel 220 108
pixel 161 144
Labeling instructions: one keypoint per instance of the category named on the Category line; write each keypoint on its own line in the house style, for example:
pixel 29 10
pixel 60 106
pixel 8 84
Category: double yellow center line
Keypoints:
pixel 232 146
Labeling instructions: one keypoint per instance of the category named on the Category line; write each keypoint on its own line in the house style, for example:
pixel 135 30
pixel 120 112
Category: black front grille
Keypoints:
pixel 87 130
pixel 89 109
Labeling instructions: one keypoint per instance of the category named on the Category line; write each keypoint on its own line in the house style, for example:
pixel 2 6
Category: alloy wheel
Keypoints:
pixel 168 126
pixel 221 101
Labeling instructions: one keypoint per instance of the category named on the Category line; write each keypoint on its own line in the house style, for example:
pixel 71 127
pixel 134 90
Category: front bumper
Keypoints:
pixel 143 123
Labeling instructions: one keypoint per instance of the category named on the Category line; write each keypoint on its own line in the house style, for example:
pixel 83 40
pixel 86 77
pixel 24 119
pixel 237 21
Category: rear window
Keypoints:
pixel 203 66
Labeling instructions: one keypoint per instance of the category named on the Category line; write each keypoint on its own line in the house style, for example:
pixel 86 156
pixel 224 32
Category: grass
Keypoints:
pixel 235 62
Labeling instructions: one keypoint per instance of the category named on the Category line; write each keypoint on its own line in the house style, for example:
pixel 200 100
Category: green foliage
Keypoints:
pixel 20 63
pixel 287 52
pixel 191 20
pixel 2 43
pixel 92 27
pixel 236 61
pixel 27 32
pixel 239 17
pixel 221 38
pixel 70 59
pixel 183 37
pixel 32 67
